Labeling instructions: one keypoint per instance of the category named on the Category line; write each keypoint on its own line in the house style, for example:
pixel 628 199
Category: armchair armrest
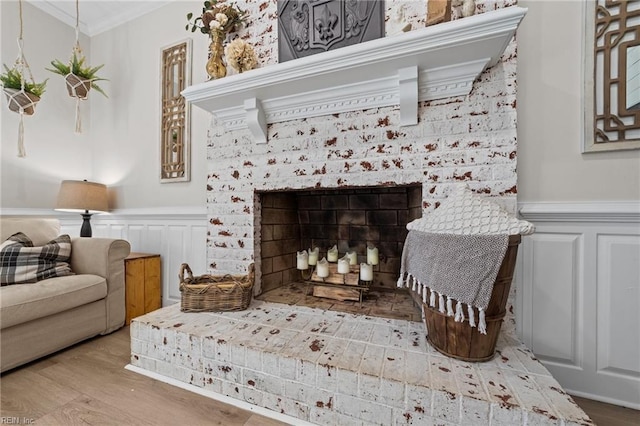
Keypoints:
pixel 98 256
pixel 104 257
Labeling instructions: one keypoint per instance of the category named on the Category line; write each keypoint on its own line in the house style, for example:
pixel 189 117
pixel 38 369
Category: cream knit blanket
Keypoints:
pixel 453 267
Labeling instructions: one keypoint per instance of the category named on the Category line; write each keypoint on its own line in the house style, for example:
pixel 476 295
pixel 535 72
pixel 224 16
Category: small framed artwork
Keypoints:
pixel 175 120
pixel 611 75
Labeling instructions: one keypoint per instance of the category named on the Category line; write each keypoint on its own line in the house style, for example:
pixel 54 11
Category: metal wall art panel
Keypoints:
pixel 612 75
pixel 307 27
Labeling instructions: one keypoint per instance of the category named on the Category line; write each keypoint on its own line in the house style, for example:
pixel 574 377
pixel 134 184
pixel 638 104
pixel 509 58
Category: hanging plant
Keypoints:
pixel 22 95
pixel 80 78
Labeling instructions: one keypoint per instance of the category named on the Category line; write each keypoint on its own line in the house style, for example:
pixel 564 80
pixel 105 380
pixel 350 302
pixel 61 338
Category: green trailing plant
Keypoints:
pixel 77 68
pixel 12 79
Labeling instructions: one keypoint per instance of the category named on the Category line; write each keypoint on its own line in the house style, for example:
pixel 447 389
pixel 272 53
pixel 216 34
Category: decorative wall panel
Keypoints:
pixel 307 27
pixel 175 130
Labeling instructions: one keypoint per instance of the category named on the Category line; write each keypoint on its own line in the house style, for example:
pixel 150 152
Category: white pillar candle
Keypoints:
pixel 372 255
pixel 366 272
pixel 322 268
pixel 302 260
pixel 343 265
pixel 353 257
pixel 332 254
pixel 313 256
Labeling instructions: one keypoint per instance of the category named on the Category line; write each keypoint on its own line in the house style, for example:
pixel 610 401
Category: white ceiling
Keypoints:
pixel 97 16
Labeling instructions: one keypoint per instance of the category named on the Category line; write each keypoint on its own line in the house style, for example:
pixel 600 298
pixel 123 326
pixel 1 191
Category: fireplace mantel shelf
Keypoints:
pixel 435 62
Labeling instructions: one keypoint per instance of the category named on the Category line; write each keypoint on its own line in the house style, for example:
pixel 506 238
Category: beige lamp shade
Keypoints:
pixel 81 196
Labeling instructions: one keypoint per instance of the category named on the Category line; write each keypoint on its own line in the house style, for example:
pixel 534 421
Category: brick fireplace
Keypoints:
pixel 468 139
pixel 465 131
pixel 277 174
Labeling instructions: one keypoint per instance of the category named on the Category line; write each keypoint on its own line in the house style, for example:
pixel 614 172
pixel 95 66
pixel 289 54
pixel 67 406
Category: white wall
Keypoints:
pixel 550 164
pixel 54 151
pixel 126 130
pixel 120 142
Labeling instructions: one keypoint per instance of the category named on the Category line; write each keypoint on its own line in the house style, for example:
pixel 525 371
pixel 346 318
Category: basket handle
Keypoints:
pixel 182 269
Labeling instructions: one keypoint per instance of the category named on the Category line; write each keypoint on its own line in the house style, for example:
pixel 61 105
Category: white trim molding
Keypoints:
pixel 443 59
pixel 579 274
pixel 603 211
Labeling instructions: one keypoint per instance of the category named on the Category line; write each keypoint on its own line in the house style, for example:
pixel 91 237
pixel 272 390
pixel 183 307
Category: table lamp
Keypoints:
pixel 84 197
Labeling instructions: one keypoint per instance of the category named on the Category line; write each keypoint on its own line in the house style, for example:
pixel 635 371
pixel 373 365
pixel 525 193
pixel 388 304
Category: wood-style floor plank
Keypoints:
pixel 604 414
pixel 88 383
pixel 87 411
pixel 30 395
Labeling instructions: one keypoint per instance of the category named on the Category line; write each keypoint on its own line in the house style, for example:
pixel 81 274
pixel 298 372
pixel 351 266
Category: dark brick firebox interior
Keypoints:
pixel 350 218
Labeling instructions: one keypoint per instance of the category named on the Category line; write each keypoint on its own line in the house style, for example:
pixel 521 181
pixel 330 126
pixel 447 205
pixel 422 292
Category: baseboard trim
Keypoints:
pixel 219 397
pixel 596 211
pixel 600 398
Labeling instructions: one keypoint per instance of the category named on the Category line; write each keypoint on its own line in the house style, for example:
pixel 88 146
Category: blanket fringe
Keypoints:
pixel 441 303
pixel 482 325
pixel 459 313
pixel 444 306
pixel 472 317
pixel 449 307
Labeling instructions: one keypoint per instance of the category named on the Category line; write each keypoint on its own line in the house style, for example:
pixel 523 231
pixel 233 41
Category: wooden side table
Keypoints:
pixel 143 284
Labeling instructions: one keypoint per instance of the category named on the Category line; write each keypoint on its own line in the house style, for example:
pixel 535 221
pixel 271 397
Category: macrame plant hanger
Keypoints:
pixel 21 101
pixel 77 87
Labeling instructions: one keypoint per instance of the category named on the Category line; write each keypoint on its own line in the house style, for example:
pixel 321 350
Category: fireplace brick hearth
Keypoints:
pixel 333 368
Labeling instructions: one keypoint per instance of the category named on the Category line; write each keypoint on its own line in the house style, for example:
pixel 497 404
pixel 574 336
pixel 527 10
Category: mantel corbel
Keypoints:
pixel 435 62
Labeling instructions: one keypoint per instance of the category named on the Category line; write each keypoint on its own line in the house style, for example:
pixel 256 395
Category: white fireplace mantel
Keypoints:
pixel 430 63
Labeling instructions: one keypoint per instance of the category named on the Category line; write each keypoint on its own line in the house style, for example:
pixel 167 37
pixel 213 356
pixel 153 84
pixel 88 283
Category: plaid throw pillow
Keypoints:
pixel 22 263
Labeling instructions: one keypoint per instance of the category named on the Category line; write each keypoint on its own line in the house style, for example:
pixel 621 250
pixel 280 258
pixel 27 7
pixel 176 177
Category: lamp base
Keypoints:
pixel 85 231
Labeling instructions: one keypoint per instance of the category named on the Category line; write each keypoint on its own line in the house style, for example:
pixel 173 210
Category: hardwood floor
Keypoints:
pixel 87 384
pixel 607 414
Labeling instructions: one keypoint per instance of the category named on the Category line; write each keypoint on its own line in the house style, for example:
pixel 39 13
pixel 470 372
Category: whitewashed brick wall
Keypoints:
pixel 463 139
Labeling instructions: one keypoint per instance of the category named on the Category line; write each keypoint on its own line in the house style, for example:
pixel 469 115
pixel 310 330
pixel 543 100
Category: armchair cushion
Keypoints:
pixel 21 262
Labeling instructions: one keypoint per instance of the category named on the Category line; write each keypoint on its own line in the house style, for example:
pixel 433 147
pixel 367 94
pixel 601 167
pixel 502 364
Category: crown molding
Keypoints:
pixel 111 14
pixel 431 63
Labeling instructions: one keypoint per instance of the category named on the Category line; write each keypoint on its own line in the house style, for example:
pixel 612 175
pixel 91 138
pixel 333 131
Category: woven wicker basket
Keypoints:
pixel 215 293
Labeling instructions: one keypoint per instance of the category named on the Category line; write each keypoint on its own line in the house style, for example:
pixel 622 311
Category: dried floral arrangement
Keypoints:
pixel 240 55
pixel 217 16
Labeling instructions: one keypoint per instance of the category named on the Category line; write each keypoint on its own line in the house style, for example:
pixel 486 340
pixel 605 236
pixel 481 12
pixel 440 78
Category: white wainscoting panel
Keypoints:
pixel 178 238
pixel 177 234
pixel 556 272
pixel 578 296
pixel 618 296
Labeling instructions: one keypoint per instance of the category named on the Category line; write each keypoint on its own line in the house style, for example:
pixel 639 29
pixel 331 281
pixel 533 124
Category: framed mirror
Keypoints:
pixel 611 75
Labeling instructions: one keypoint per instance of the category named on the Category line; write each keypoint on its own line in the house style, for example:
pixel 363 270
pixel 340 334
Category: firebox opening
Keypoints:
pixel 349 218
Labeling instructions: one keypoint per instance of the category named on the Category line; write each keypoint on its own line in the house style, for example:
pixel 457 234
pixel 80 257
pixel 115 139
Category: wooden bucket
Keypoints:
pixel 458 339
